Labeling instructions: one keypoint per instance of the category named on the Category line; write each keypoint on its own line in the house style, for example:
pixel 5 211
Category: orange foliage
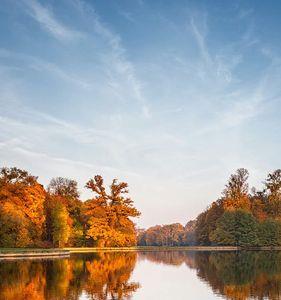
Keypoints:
pixel 108 215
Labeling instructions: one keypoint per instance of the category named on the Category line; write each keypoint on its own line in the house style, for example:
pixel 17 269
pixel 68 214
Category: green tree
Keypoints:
pixel 60 226
pixel 236 228
pixel 65 190
pixel 269 233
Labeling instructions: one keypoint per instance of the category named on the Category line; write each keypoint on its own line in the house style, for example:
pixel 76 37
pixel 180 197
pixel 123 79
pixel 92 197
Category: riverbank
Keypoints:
pixel 151 248
pixel 167 248
pixel 65 252
pixel 8 253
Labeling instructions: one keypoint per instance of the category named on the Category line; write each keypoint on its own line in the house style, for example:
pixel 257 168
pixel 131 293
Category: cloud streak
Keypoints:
pixel 118 63
pixel 48 21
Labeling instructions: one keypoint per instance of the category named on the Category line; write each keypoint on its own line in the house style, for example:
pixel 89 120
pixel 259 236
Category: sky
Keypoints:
pixel 169 96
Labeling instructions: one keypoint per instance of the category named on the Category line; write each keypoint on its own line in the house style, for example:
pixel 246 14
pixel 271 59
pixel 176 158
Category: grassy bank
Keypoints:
pixel 31 252
pixel 150 248
pixel 9 252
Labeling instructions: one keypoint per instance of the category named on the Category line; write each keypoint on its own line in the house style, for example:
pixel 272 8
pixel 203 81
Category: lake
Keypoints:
pixel 145 275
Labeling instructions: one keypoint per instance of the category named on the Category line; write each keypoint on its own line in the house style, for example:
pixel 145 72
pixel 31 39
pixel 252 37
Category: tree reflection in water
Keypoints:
pixel 234 275
pixel 100 276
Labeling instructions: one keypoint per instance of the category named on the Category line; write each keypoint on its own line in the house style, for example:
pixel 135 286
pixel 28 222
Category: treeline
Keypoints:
pixel 168 235
pixel 32 216
pixel 240 217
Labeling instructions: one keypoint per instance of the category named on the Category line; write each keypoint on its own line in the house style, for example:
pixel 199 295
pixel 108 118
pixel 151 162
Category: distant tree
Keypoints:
pixel 259 204
pixel 141 237
pixel 166 235
pixel 64 187
pixel 236 192
pixel 273 189
pixel 60 226
pixel 173 234
pixel 153 236
pixel 16 176
pixel 190 233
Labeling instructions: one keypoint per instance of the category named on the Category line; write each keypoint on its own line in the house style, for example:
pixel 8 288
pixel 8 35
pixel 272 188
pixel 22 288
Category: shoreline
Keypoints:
pixel 13 253
pixel 10 253
pixel 170 248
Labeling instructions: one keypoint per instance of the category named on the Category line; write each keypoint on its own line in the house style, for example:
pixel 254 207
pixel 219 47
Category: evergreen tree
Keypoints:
pixel 236 228
pixel 269 233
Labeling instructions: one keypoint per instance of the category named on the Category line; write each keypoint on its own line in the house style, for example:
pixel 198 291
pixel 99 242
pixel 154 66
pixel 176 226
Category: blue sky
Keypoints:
pixel 170 96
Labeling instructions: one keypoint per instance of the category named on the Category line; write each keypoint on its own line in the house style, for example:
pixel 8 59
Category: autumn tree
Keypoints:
pixel 273 189
pixel 259 204
pixel 14 227
pixel 166 235
pixel 206 222
pixel 21 201
pixel 109 214
pixel 190 233
pixel 236 192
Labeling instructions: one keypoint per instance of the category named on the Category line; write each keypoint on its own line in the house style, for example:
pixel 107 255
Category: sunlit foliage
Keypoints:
pixel 31 216
pixel 21 208
pixel 109 214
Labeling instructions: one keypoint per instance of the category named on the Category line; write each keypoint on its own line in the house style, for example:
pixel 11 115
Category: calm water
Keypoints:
pixel 145 275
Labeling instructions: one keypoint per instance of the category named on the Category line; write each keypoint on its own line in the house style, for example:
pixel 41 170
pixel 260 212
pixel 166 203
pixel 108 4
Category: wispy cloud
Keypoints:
pixel 45 17
pixel 200 39
pixel 128 16
pixel 117 62
pixel 39 64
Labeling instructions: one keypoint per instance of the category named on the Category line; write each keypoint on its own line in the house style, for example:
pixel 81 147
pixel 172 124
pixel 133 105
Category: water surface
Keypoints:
pixel 145 275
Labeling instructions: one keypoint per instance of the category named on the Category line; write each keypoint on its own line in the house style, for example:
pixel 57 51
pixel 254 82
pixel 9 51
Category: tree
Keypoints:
pixel 108 214
pixel 273 189
pixel 189 235
pixel 14 227
pixel 259 205
pixel 236 192
pixel 269 233
pixel 235 228
pixel 21 192
pixel 60 226
pixel 65 191
pixel 206 222
pixel 166 235
pixel 63 187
